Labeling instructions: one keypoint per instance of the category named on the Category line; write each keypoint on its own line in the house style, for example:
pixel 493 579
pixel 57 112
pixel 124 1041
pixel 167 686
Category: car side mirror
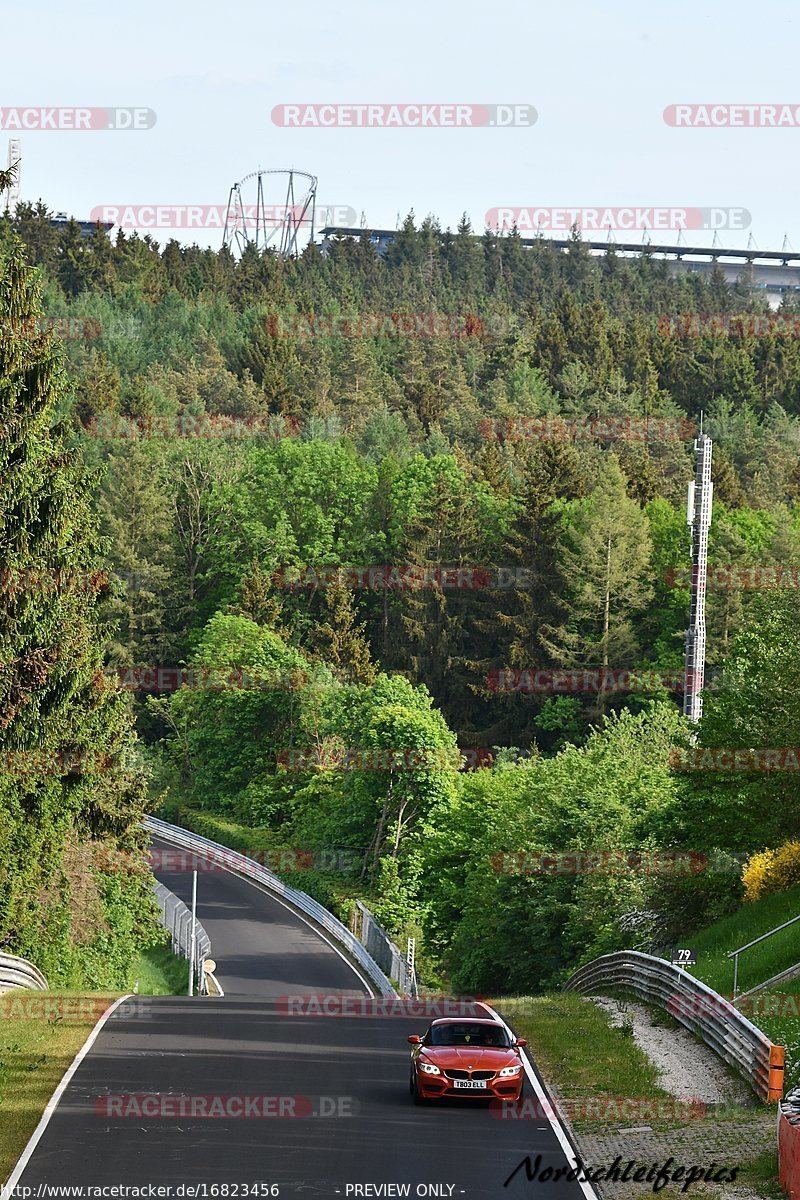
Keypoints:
pixel 414 1040
pixel 521 1042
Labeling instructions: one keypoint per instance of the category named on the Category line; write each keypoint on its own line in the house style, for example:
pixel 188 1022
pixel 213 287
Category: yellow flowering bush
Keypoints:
pixel 771 871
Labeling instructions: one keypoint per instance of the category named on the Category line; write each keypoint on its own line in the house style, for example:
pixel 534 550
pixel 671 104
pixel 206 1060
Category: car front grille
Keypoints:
pixel 469 1074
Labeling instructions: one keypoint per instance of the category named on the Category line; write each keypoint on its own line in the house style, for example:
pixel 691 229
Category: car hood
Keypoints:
pixel 482 1058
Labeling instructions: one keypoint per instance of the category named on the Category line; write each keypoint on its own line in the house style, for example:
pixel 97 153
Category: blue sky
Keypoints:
pixel 598 75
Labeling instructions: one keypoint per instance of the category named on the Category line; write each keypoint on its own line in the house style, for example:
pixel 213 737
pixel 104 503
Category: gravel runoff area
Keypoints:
pixel 688 1070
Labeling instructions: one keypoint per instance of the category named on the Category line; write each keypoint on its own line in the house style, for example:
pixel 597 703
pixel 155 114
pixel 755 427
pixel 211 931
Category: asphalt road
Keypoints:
pixel 337 1115
pixel 261 947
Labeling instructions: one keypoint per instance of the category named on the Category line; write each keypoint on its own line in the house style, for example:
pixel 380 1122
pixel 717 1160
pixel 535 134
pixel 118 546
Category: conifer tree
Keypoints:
pixel 341 638
pixel 604 565
pixel 66 772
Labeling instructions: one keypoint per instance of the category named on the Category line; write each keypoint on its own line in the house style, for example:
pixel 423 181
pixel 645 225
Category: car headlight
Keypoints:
pixel 506 1071
pixel 429 1068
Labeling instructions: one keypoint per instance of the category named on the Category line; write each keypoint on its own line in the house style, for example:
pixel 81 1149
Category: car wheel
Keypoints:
pixel 418 1099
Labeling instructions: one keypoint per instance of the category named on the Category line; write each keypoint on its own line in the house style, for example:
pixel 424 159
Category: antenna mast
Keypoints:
pixel 10 198
pixel 698 516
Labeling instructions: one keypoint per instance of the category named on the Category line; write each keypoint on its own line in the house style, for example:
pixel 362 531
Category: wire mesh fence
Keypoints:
pixel 176 918
pixel 386 954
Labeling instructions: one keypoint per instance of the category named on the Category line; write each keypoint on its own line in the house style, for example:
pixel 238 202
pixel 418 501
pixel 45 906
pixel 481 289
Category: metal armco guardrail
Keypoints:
pixel 176 917
pixel 17 972
pixel 703 1011
pixel 240 864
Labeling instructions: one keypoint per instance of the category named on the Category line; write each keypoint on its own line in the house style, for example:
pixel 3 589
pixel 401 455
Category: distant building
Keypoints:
pixel 10 198
pixel 87 228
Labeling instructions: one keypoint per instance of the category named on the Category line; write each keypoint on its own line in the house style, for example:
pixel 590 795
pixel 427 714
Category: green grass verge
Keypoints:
pixel 40 1034
pixel 762 1176
pixel 777 1011
pixel 158 972
pixel 747 923
pixel 574 1044
pixel 602 1075
pixel 247 839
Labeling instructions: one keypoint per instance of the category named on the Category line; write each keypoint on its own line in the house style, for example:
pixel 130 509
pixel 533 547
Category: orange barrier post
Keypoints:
pixel 789 1154
pixel 777 1065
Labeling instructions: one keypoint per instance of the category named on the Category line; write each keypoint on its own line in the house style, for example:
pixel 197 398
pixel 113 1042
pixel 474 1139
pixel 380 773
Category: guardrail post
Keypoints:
pixel 736 975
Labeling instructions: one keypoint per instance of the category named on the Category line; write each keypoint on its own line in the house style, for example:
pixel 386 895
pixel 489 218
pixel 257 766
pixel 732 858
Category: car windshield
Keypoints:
pixel 467 1033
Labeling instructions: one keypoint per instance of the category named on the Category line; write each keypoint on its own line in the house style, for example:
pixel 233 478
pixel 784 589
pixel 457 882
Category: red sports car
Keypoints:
pixel 466 1057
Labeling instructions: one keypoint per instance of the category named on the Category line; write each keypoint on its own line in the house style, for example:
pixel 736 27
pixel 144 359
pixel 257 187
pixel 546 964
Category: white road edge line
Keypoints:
pixel 7 1189
pixel 261 888
pixel 548 1108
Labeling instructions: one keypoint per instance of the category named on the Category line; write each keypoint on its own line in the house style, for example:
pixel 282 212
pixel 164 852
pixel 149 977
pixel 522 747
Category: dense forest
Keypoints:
pixel 383 512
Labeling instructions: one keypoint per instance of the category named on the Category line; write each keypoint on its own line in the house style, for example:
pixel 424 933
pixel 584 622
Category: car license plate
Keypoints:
pixel 469 1083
